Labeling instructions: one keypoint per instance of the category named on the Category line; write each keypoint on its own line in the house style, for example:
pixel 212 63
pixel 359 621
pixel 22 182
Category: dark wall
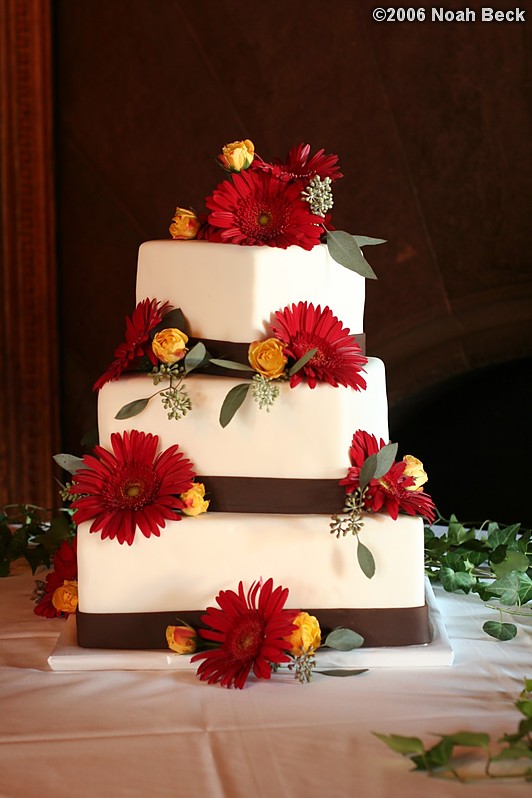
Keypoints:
pixel 432 125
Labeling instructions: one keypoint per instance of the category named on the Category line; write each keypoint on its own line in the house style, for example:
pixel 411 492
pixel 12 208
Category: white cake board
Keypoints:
pixel 68 656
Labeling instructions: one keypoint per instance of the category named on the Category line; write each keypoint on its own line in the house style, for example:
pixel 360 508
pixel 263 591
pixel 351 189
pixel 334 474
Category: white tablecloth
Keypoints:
pixel 164 733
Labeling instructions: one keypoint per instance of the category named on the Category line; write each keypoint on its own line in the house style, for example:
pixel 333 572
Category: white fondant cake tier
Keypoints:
pixel 306 434
pixel 228 292
pixel 195 558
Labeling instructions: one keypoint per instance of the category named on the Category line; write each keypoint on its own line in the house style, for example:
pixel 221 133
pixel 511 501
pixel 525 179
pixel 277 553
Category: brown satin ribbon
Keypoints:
pixel 273 495
pixel 404 626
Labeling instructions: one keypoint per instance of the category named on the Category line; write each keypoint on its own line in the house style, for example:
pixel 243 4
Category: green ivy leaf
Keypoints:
pixel 230 364
pixel 232 402
pixel 365 560
pixel 132 408
pixel 519 750
pixel 512 589
pixel 469 739
pixel 341 672
pixel 68 462
pixel 453 581
pixel 502 537
pixel 344 249
pixel 500 631
pixel 514 561
pixel 402 745
pixel 194 358
pixel 303 360
pixel 343 640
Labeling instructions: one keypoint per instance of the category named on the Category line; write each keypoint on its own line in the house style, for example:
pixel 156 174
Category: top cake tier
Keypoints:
pixel 229 292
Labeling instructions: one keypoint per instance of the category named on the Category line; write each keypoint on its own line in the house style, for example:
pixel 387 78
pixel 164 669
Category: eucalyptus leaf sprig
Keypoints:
pixel 175 398
pixel 441 760
pixel 493 561
pixel 352 519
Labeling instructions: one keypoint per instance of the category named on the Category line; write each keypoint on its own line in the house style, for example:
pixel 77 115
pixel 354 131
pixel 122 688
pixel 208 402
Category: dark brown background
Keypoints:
pixel 432 124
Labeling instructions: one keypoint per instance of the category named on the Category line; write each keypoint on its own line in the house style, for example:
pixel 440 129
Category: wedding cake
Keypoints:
pixel 243 431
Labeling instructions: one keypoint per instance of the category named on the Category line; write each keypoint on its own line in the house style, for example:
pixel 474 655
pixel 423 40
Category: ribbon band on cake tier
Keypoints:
pixel 273 495
pixel 238 352
pixel 389 626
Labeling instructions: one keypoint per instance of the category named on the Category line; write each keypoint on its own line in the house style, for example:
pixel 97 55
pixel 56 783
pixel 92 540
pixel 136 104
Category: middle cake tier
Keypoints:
pixel 305 435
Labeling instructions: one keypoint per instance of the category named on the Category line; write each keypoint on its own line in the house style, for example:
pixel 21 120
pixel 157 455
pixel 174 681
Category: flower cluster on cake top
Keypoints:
pixel 277 204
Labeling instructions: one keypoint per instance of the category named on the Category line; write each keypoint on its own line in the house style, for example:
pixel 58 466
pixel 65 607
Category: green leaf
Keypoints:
pixel 302 361
pixel 69 462
pixel 343 640
pixel 365 560
pixel 502 537
pixel 232 402
pixel 512 589
pixel 366 241
pixel 194 358
pixel 469 739
pixel 519 750
pixel 344 249
pixel 514 561
pixel 385 459
pixel 132 408
pixel 453 581
pixel 230 364
pixel 500 631
pixel 341 672
pixel 402 745
pixel 367 472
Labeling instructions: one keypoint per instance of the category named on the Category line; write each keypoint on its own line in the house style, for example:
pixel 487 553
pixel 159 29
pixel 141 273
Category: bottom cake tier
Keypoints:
pixel 129 594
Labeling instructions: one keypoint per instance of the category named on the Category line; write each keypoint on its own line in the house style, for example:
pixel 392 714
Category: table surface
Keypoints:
pixel 164 733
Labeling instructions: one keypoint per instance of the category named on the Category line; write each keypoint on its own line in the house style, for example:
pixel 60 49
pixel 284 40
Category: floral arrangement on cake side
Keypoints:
pixel 276 204
pixel 374 483
pixel 304 344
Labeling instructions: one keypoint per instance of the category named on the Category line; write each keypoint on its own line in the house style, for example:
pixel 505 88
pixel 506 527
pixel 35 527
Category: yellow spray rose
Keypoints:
pixel 181 639
pixel 238 155
pixel 267 357
pixel 307 636
pixel 194 500
pixel 414 468
pixel 185 224
pixel 65 598
pixel 169 345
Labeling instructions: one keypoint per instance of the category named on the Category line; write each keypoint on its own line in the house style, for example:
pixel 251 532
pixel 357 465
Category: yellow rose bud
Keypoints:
pixel 194 500
pixel 307 636
pixel 169 345
pixel 414 468
pixel 181 639
pixel 65 598
pixel 267 357
pixel 185 224
pixel 238 155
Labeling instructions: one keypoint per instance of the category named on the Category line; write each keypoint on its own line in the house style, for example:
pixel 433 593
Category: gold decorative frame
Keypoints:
pixel 29 410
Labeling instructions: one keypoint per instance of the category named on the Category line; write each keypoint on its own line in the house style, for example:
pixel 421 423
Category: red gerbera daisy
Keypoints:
pixel 253 208
pixel 299 166
pixel 131 486
pixel 146 316
pixel 65 568
pixel 394 491
pixel 338 360
pixel 250 630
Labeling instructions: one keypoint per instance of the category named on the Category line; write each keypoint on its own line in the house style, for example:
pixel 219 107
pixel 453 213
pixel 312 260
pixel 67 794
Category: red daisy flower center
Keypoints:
pixel 259 221
pixel 326 357
pixel 132 487
pixel 244 638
